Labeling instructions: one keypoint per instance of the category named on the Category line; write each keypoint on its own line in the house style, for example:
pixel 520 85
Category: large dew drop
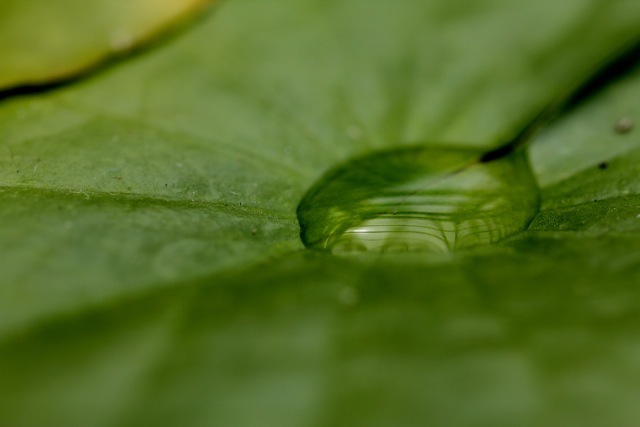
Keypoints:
pixel 419 199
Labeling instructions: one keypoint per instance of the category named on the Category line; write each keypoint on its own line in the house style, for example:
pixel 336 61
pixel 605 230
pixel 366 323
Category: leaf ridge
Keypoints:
pixel 237 209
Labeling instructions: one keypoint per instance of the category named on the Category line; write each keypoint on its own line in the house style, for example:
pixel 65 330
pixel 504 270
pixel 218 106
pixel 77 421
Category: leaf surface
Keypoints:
pixel 154 244
pixel 45 41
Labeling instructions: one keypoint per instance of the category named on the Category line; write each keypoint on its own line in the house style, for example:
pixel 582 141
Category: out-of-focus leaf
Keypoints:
pixel 44 41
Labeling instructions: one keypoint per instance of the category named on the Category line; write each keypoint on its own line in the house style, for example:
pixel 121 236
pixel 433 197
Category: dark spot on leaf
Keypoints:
pixel 603 165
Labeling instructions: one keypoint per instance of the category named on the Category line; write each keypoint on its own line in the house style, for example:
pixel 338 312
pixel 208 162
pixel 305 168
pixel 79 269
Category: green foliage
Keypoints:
pixel 51 40
pixel 152 271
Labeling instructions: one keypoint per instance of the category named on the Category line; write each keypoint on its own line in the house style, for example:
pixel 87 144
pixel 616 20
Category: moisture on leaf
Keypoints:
pixel 421 199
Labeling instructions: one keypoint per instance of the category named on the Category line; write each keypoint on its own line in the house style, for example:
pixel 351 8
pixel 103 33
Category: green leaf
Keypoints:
pixel 153 272
pixel 44 41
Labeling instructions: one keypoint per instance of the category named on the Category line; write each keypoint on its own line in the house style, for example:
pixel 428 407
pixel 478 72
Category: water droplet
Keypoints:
pixel 624 125
pixel 419 199
pixel 348 296
pixel 354 132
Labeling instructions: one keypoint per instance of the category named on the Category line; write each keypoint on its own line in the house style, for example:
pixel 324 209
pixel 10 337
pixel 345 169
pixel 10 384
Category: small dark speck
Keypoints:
pixel 603 165
pixel 166 185
pixel 624 125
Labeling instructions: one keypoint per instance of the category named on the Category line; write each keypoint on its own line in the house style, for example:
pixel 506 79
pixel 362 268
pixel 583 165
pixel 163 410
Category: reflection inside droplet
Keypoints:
pixel 420 199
